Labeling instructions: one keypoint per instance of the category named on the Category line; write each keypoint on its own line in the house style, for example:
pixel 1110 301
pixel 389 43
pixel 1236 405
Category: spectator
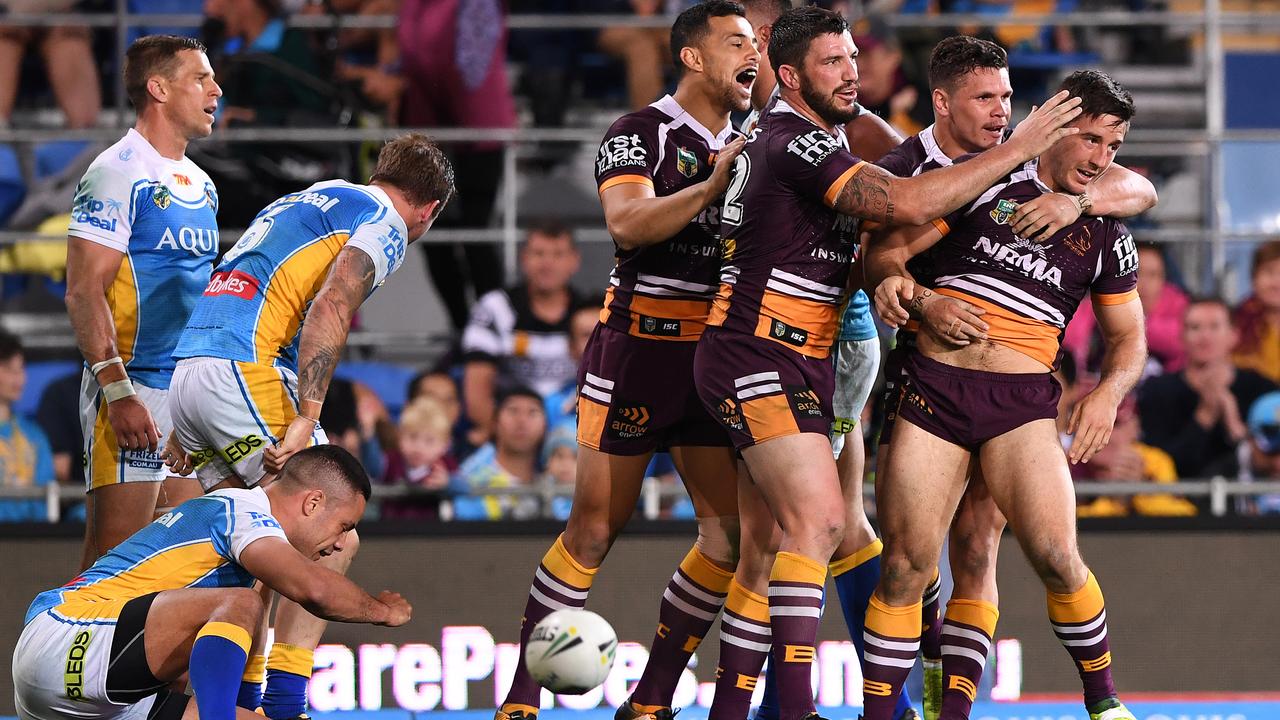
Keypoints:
pixel 453 57
pixel 562 405
pixel 59 416
pixel 643 50
pixel 25 459
pixel 1262 452
pixel 439 385
pixel 1258 317
pixel 1163 305
pixel 510 461
pixel 520 335
pixel 68 63
pixel 420 459
pixel 371 58
pixel 1125 459
pixel 882 84
pixel 560 460
pixel 1197 415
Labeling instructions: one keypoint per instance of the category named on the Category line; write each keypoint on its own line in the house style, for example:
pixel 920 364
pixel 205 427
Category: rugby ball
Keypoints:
pixel 571 651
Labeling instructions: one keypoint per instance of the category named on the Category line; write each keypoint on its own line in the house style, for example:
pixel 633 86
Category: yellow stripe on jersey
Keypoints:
pixel 176 567
pixel 104 454
pixel 122 298
pixel 625 180
pixel 833 191
pixel 293 284
pixel 1115 298
pixel 1033 338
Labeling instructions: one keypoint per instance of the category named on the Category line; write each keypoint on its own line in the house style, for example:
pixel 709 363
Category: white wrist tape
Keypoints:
pixel 118 390
pixel 99 367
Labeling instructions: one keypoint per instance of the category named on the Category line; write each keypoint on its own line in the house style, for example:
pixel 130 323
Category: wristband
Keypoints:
pixel 99 367
pixel 118 390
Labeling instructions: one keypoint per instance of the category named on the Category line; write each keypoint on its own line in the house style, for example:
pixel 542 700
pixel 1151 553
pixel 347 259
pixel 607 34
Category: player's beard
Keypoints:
pixel 727 97
pixel 825 105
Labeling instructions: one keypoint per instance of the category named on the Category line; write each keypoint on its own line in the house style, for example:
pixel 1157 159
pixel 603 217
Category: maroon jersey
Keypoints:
pixel 1030 289
pixel 663 291
pixel 786 250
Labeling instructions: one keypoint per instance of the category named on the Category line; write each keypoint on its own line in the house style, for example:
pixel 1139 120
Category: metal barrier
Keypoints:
pixel 1218 490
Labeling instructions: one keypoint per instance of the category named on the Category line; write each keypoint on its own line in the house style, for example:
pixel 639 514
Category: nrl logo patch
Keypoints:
pixel 1003 211
pixel 161 197
pixel 686 162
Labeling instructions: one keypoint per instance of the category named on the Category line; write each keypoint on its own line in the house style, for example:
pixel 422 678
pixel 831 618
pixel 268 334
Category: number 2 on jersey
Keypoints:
pixel 733 196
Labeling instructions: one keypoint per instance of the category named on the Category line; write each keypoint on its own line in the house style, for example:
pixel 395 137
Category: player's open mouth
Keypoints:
pixel 211 110
pixel 746 78
pixel 1086 176
pixel 996 130
pixel 849 95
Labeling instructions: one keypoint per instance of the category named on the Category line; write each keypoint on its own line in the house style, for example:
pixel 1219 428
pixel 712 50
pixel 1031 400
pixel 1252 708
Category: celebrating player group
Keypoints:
pixel 738 323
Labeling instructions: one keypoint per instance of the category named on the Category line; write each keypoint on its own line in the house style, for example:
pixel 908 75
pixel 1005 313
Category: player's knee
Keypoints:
pixel 718 540
pixel 1060 568
pixel 242 607
pixel 904 572
pixel 588 539
pixel 972 554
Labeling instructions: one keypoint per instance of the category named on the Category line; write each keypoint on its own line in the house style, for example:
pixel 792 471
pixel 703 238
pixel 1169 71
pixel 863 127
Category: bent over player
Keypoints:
pixel 763 365
pixel 995 399
pixel 661 172
pixel 140 247
pixel 177 597
pixel 260 347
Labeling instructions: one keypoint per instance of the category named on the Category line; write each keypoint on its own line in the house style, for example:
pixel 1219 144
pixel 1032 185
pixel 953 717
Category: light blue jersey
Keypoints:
pixel 254 306
pixel 856 322
pixel 162 214
pixel 197 545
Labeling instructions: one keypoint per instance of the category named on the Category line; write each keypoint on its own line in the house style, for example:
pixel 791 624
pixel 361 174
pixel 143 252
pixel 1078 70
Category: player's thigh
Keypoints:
pixel 1026 472
pixel 924 478
pixel 797 476
pixel 606 489
pixel 176 616
pixel 121 510
pixel 710 475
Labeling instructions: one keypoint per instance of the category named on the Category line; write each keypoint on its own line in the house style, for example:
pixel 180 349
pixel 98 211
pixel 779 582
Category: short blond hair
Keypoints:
pixel 425 414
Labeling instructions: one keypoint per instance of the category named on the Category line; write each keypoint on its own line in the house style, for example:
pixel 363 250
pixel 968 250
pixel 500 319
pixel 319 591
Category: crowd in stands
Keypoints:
pixel 499 411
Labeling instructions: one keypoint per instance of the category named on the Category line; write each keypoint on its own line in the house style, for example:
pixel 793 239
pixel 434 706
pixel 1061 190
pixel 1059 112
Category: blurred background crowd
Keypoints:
pixel 459 392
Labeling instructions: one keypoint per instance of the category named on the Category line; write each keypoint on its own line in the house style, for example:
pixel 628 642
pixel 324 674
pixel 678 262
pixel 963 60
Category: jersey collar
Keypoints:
pixel 680 117
pixel 931 148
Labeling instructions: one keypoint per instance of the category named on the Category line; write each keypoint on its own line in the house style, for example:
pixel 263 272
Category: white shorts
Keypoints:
pixel 857 364
pixel 227 412
pixel 60 671
pixel 105 463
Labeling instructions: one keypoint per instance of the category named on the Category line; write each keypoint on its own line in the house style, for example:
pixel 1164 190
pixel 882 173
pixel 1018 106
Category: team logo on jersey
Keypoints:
pixel 686 162
pixel 125 154
pixel 162 197
pixel 629 421
pixel 1079 240
pixel 1003 210
pixel 788 334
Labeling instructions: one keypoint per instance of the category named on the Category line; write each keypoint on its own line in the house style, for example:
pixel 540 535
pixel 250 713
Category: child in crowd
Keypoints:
pixel 421 459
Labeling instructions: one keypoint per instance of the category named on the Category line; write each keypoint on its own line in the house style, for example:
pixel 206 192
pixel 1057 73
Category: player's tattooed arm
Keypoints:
pixel 868 195
pixel 324 334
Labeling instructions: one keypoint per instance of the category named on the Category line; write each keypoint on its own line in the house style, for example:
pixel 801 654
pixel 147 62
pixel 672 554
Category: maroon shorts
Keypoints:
pixel 969 407
pixel 759 390
pixel 636 396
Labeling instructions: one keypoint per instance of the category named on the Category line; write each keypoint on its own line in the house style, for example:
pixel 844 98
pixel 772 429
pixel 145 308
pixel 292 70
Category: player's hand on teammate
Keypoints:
pixel 953 320
pixel 1041 218
pixel 133 425
pixel 178 459
pixel 891 297
pixel 1091 423
pixel 398 609
pixel 722 172
pixel 1045 125
pixel 296 437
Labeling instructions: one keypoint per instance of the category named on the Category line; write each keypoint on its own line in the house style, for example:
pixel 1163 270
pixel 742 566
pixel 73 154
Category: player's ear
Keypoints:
pixel 429 210
pixel 313 502
pixel 692 58
pixel 941 103
pixel 762 36
pixel 158 88
pixel 789 76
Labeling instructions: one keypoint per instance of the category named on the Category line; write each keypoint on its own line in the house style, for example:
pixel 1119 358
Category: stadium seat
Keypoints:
pixel 12 187
pixel 39 375
pixel 388 381
pixel 54 157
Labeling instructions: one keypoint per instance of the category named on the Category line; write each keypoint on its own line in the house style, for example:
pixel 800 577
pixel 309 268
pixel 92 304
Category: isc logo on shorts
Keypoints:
pixel 73 674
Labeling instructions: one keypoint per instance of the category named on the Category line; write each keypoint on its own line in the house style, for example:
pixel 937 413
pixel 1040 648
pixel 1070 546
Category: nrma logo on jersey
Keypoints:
pixel 101 213
pixel 197 241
